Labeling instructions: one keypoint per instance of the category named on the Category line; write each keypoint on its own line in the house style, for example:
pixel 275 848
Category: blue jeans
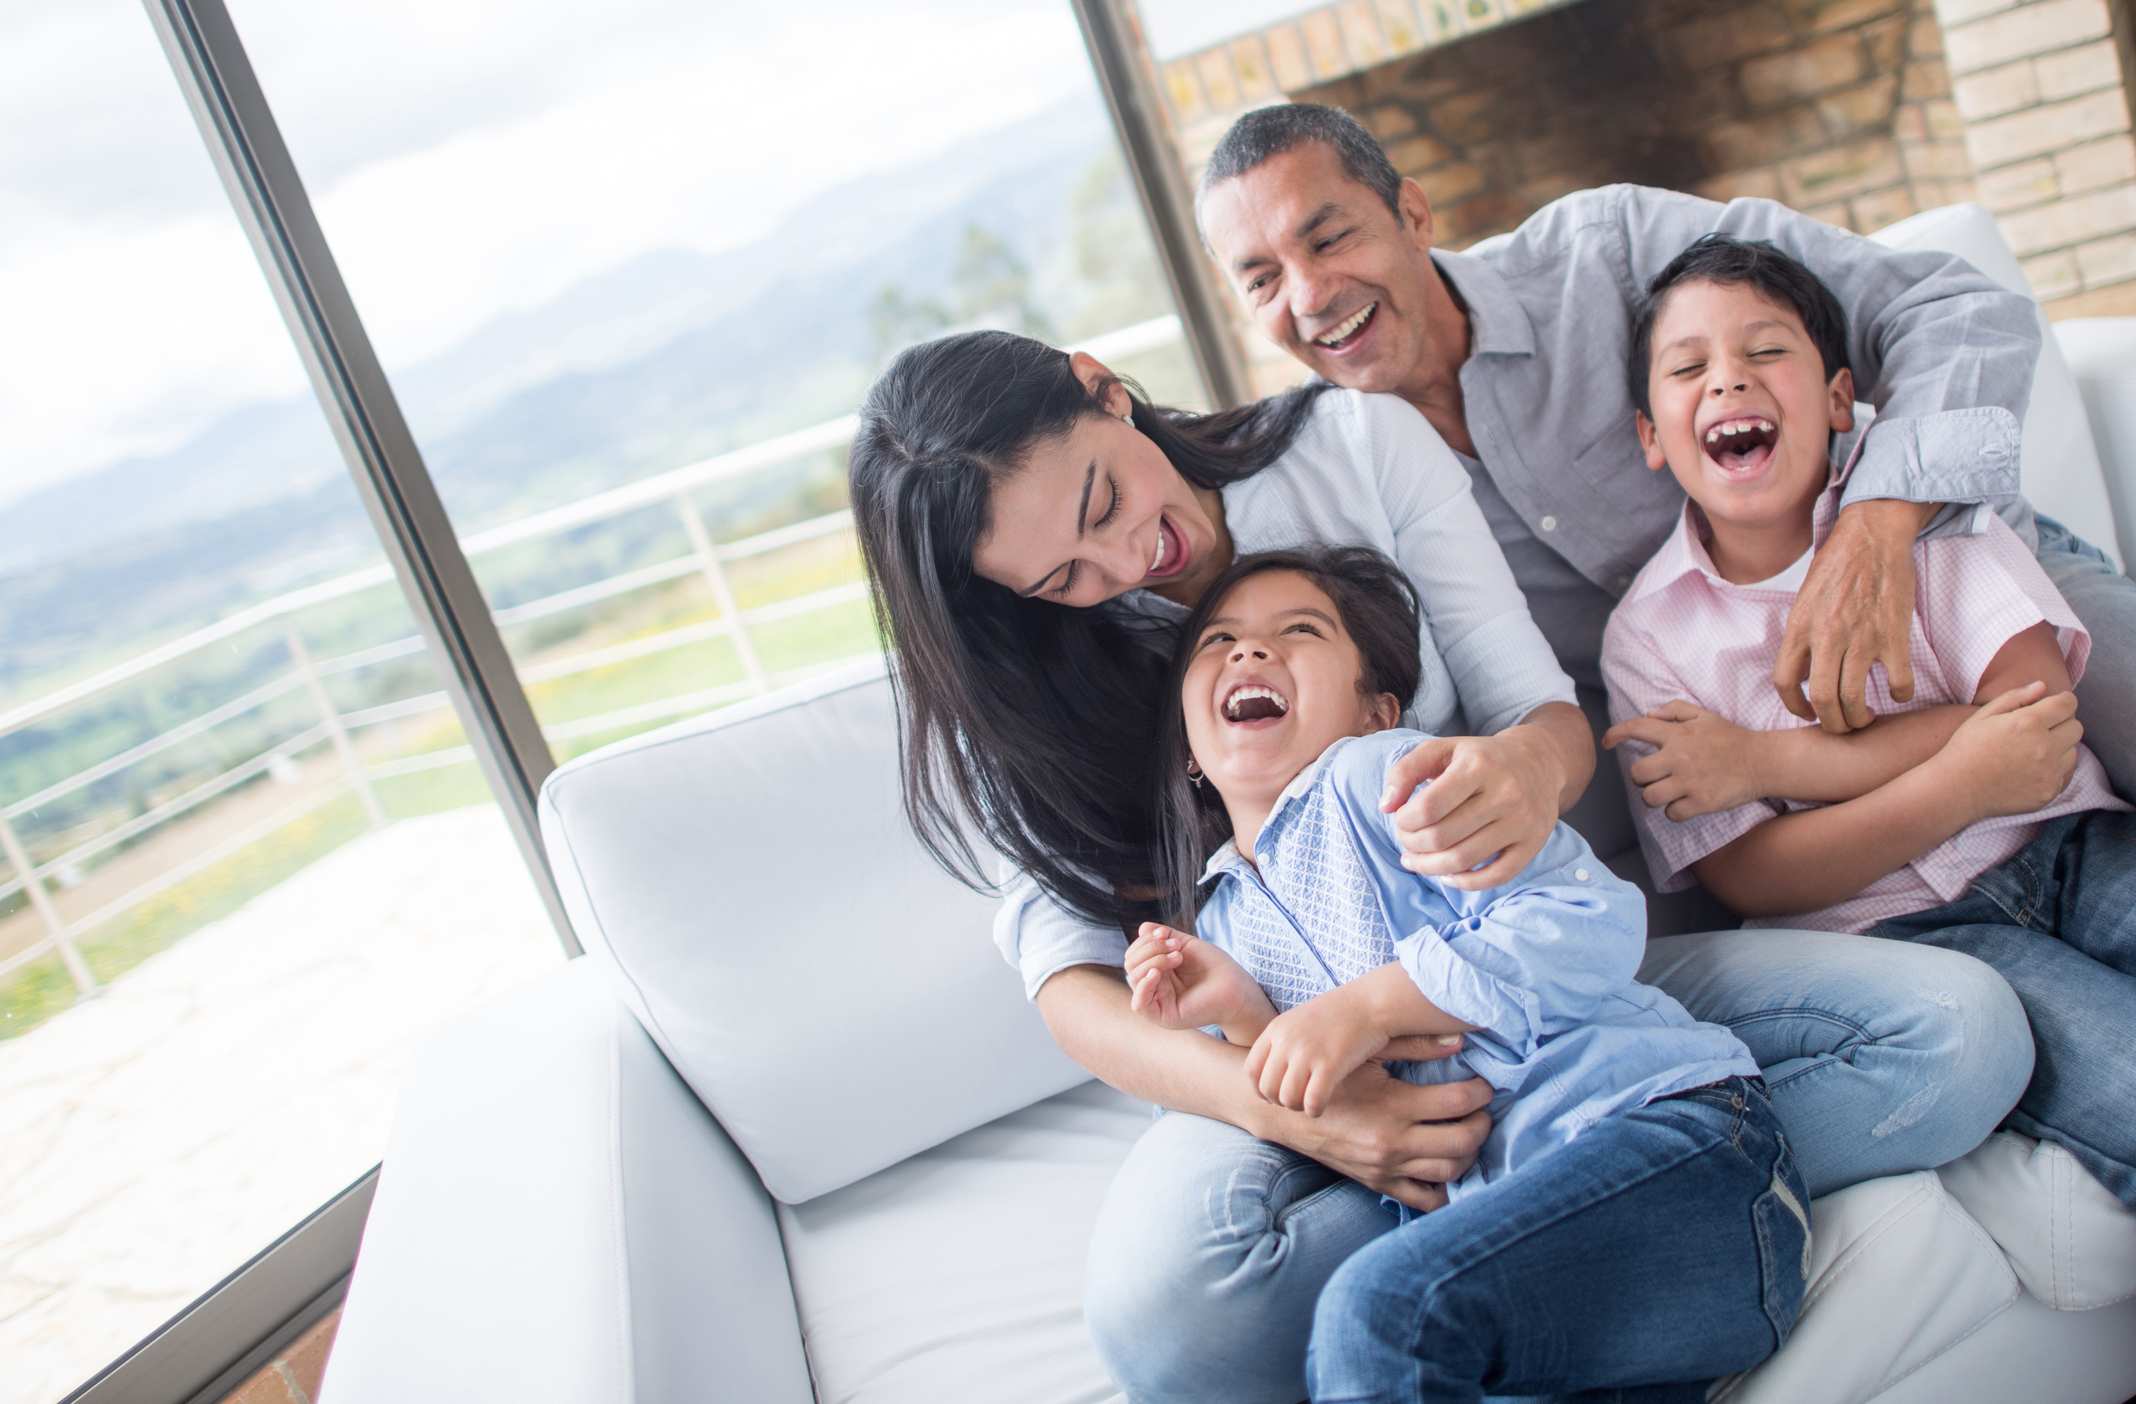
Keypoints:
pixel 1668 1243
pixel 1212 1247
pixel 2105 601
pixel 2058 921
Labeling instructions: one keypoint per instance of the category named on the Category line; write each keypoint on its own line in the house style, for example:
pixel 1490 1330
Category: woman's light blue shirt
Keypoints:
pixel 1543 966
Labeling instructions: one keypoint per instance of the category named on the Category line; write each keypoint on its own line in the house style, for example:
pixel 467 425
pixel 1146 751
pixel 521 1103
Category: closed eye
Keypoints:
pixel 1212 637
pixel 1304 628
pixel 1112 509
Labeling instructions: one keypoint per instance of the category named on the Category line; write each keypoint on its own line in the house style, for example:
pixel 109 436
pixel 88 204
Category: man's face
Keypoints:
pixel 1329 273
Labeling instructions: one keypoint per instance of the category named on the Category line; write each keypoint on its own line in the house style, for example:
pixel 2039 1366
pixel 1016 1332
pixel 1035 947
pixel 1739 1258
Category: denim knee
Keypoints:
pixel 1972 1025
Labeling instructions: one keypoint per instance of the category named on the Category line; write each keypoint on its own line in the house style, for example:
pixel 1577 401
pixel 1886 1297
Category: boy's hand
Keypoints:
pixel 1182 982
pixel 2016 753
pixel 1702 764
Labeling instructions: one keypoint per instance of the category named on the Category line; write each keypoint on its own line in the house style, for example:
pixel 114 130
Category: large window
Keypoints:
pixel 238 881
pixel 630 269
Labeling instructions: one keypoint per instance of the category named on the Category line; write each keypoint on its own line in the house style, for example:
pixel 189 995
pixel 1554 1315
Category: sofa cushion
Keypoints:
pixel 2071 1242
pixel 2101 352
pixel 828 991
pixel 948 1277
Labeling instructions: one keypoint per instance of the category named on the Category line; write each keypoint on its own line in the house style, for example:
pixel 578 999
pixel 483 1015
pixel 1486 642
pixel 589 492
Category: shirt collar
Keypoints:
pixel 1684 553
pixel 1498 324
pixel 1229 857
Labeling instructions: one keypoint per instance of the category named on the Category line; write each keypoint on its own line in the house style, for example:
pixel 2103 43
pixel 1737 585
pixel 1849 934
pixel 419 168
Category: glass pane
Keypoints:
pixel 246 858
pixel 631 266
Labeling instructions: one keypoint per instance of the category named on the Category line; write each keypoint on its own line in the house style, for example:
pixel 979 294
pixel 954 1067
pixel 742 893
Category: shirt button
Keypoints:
pixel 1624 582
pixel 1549 524
pixel 1579 874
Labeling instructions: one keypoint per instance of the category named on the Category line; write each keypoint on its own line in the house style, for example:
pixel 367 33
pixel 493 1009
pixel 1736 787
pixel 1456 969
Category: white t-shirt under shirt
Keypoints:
pixel 1364 470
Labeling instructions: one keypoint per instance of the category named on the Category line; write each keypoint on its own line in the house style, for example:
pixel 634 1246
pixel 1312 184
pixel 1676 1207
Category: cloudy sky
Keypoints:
pixel 467 157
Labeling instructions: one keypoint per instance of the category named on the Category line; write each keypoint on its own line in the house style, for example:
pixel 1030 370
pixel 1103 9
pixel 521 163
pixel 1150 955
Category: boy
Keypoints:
pixel 1970 817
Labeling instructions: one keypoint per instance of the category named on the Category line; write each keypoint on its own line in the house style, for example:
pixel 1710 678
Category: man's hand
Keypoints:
pixel 1465 801
pixel 2015 754
pixel 1702 763
pixel 1182 982
pixel 1399 1139
pixel 1855 609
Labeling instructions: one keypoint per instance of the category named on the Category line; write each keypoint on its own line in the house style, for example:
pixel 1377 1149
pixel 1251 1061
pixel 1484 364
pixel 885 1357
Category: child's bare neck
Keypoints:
pixel 1247 819
pixel 1744 554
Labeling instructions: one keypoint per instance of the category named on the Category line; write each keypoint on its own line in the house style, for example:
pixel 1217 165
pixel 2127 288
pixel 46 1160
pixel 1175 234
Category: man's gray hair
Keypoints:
pixel 1266 132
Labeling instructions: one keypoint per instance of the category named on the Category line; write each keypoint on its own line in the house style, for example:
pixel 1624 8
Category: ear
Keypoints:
pixel 1842 392
pixel 1384 714
pixel 1092 372
pixel 1650 440
pixel 1416 213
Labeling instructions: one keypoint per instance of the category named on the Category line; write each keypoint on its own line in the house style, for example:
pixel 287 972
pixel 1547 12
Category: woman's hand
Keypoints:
pixel 1475 810
pixel 1182 982
pixel 1399 1139
pixel 1702 763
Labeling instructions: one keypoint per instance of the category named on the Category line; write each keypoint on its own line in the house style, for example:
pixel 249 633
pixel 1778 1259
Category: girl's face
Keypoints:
pixel 1101 511
pixel 1273 681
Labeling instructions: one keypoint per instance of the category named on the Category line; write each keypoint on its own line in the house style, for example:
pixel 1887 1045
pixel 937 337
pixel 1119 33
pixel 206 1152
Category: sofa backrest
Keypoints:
pixel 2059 466
pixel 822 985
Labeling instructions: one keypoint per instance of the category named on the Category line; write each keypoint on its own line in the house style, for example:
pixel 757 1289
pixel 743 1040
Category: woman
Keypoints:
pixel 1034 534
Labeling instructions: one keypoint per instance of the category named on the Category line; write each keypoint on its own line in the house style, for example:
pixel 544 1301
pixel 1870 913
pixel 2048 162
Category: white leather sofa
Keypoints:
pixel 790 1132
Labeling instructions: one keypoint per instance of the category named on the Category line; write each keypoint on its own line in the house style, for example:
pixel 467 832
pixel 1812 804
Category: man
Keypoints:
pixel 1516 355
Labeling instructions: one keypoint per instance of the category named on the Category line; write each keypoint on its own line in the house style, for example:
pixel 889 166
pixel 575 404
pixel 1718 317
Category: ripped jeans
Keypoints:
pixel 1213 1247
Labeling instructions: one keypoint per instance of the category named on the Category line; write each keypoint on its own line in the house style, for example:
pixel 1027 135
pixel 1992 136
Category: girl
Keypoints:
pixel 1317 949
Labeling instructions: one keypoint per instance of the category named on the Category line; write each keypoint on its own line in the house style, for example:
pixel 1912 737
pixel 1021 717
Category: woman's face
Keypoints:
pixel 1100 511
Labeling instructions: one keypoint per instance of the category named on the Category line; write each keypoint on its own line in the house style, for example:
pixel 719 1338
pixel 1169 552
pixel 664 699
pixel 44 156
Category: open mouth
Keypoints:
pixel 1171 557
pixel 1743 445
pixel 1344 336
pixel 1249 703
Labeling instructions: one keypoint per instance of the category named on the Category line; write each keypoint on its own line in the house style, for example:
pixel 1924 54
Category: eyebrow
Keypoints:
pixel 1082 519
pixel 1330 210
pixel 1319 614
pixel 1767 325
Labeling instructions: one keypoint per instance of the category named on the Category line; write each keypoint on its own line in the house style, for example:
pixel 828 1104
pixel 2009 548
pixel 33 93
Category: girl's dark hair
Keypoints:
pixel 1733 262
pixel 1031 724
pixel 1379 610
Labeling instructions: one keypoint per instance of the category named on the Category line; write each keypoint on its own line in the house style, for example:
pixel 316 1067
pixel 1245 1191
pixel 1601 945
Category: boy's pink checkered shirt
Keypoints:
pixel 1684 633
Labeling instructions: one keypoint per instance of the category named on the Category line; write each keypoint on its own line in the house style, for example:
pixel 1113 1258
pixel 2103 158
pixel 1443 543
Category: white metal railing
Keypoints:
pixel 705 558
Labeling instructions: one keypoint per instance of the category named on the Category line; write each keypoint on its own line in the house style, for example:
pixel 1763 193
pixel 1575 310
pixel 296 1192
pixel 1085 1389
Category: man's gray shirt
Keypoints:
pixel 1943 352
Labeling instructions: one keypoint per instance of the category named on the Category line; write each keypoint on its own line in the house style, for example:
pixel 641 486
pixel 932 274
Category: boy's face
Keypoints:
pixel 1742 411
pixel 1273 682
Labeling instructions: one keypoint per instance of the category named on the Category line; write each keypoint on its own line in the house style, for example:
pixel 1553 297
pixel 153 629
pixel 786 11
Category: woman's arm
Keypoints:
pixel 1402 1140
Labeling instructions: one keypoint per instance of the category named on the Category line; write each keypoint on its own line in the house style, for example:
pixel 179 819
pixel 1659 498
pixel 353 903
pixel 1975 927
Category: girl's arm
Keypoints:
pixel 1302 1056
pixel 2013 756
pixel 1399 1139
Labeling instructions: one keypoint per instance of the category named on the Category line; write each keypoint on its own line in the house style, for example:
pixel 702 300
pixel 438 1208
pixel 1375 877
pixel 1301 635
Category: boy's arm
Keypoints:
pixel 2014 755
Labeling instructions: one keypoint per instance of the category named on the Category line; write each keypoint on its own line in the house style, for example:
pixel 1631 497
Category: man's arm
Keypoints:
pixel 1402 1140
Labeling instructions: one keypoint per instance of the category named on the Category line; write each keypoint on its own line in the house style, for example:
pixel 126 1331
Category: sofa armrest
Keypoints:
pixel 2101 352
pixel 559 1219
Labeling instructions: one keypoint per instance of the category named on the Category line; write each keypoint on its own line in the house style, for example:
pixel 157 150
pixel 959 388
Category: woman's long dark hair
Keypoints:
pixel 1379 611
pixel 1032 723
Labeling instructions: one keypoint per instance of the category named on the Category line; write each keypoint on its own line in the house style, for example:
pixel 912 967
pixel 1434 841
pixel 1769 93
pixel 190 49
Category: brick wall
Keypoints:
pixel 2041 89
pixel 1859 112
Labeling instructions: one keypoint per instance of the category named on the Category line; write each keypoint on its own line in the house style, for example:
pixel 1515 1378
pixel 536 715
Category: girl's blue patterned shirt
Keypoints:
pixel 1543 966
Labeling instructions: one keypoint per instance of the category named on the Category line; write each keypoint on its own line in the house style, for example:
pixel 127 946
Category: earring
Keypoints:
pixel 1194 772
pixel 1128 417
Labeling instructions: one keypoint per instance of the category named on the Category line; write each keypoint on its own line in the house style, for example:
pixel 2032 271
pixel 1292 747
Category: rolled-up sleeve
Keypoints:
pixel 1538 956
pixel 1041 938
pixel 1944 352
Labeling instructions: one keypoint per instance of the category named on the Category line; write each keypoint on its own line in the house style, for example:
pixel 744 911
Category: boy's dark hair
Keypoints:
pixel 1379 611
pixel 1268 132
pixel 1733 262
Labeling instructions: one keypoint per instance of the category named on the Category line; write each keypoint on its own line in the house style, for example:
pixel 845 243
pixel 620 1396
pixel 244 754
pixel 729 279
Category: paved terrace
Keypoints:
pixel 155 1138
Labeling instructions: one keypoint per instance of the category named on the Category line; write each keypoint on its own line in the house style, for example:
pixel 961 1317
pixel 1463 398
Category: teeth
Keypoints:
pixel 1737 426
pixel 1356 321
pixel 1231 703
pixel 1158 559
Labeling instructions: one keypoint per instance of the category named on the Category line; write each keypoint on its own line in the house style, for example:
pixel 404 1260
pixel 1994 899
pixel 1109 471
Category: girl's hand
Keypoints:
pixel 1182 982
pixel 1305 1053
pixel 1702 763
